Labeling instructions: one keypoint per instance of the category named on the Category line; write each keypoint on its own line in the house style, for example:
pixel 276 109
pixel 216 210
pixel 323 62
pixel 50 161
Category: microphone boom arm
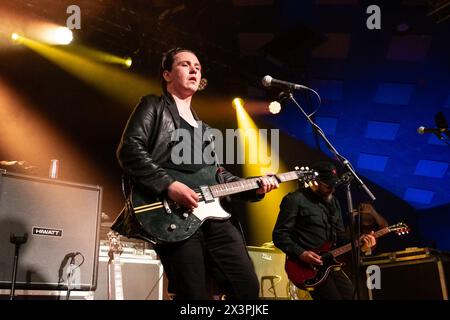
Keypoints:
pixel 341 158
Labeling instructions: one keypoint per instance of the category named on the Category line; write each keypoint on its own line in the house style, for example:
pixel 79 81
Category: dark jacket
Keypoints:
pixel 145 145
pixel 305 222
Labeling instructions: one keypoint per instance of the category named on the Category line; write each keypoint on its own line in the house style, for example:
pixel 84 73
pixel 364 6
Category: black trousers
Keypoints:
pixel 336 287
pixel 218 252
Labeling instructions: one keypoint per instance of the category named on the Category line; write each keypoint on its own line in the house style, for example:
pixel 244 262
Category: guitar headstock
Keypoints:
pixel 115 246
pixel 400 228
pixel 307 176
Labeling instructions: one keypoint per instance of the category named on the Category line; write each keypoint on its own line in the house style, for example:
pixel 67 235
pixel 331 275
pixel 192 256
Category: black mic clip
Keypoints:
pixel 346 178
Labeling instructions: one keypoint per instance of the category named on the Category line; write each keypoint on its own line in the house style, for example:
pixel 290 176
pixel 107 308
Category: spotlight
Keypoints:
pixel 128 62
pixel 62 35
pixel 15 37
pixel 274 107
pixel 238 102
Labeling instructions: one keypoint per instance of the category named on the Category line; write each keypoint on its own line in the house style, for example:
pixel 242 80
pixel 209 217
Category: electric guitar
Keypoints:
pixel 114 267
pixel 164 221
pixel 307 276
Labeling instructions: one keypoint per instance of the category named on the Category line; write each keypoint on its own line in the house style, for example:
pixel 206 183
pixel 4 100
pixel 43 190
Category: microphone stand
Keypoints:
pixel 17 241
pixel 344 162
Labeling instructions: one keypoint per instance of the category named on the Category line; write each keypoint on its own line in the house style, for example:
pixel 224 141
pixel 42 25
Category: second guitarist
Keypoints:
pixel 310 218
pixel 148 156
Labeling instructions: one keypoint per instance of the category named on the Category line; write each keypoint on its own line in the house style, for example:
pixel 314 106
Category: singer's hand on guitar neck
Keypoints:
pixel 183 195
pixel 311 258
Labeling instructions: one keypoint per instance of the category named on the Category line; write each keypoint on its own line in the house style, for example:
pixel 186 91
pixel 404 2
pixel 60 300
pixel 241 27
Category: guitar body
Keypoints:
pixel 307 276
pixel 166 222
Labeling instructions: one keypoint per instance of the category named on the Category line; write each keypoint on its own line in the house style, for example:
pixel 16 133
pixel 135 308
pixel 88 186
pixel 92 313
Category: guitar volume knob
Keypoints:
pixel 172 227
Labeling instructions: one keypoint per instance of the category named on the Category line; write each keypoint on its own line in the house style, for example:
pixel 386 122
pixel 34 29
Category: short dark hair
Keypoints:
pixel 167 63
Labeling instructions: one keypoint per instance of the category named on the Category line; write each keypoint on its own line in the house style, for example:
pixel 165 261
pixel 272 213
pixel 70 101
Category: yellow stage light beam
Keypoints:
pixel 100 56
pixel 118 84
pixel 262 215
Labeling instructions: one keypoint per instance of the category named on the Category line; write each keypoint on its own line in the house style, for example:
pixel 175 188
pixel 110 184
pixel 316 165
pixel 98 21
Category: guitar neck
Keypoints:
pixel 348 247
pixel 225 189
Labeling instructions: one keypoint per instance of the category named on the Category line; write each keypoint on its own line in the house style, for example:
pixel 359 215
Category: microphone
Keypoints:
pixel 268 81
pixel 437 131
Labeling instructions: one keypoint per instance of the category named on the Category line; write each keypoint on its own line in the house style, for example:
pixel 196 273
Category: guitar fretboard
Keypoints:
pixel 346 248
pixel 225 189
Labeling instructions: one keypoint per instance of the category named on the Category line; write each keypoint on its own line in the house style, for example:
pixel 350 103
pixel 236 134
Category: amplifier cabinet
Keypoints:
pixel 141 277
pixel 61 220
pixel 412 274
pixel 269 267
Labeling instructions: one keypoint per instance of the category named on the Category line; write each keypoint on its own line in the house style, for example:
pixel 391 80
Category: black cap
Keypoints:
pixel 327 172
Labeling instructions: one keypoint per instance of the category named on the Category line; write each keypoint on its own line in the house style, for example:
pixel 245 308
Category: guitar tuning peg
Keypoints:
pixel 306 168
pixel 296 168
pixel 302 168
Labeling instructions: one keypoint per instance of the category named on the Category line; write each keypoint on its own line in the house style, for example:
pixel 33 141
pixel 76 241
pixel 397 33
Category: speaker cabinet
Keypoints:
pixel 140 273
pixel 269 267
pixel 61 221
pixel 413 274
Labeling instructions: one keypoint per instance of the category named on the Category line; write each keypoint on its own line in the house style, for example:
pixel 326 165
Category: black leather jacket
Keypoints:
pixel 146 143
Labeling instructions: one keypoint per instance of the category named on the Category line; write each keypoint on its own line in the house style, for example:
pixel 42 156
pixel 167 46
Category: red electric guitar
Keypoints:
pixel 307 276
